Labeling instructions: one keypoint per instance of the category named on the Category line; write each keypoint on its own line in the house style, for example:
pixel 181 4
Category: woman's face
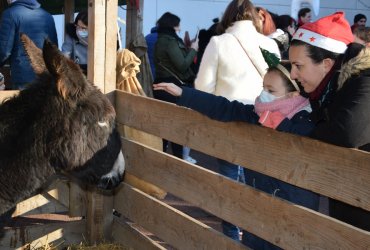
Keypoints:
pixel 81 26
pixel 305 70
pixel 306 18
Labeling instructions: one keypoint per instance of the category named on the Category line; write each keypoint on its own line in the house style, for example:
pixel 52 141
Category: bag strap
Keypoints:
pixel 258 70
pixel 173 74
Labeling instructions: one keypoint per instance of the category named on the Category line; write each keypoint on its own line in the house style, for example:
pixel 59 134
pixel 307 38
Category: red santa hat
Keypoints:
pixel 332 33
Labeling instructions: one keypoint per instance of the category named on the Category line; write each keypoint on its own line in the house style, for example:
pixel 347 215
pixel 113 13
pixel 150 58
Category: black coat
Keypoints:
pixel 344 120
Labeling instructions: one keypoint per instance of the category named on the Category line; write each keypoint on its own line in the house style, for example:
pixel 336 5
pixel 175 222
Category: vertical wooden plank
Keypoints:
pixel 77 200
pixel 134 21
pixel 99 218
pixel 99 206
pixel 96 51
pixel 69 11
pixel 111 46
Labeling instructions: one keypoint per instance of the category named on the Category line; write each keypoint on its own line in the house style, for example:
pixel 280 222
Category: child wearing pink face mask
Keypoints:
pixel 279 106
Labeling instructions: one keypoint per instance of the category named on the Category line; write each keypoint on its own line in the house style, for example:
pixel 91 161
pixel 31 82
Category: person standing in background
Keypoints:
pixel 23 16
pixel 75 45
pixel 173 61
pixel 362 36
pixel 358 21
pixel 304 16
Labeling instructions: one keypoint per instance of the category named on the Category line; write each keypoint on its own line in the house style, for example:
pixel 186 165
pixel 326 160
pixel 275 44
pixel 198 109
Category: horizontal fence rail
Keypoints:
pixel 332 171
pixel 336 172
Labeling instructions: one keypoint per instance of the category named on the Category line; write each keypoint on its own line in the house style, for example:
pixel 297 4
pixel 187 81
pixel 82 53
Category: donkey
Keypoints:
pixel 61 123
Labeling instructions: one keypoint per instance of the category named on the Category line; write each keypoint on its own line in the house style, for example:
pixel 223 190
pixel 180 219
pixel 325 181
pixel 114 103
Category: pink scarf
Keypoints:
pixel 288 107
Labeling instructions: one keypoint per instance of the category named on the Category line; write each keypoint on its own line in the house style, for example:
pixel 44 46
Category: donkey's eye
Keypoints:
pixel 103 124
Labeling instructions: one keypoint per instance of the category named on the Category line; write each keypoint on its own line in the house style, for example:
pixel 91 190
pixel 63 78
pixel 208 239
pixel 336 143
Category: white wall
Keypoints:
pixel 199 13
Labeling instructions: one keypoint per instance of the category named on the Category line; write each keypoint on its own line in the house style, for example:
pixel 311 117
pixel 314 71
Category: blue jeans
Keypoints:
pixel 234 172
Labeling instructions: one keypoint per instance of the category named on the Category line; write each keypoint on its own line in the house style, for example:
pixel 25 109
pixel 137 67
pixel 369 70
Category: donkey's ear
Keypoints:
pixel 34 54
pixel 70 80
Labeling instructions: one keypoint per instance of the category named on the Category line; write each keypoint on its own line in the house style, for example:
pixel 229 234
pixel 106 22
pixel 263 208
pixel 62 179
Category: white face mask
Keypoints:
pixel 82 33
pixel 268 97
pixel 82 36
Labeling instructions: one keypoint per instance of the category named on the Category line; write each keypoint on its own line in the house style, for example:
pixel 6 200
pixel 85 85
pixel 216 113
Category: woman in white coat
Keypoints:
pixel 233 66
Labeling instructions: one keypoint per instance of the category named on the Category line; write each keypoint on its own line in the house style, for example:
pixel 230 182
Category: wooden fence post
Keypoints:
pixel 102 72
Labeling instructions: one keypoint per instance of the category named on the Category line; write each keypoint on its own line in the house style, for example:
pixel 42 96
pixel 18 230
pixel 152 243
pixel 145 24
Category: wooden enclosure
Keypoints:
pixel 333 171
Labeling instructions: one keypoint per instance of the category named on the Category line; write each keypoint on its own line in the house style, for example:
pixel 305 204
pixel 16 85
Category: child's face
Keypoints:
pixel 274 84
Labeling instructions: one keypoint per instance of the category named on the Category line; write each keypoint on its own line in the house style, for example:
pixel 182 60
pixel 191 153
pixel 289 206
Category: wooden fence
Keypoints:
pixel 332 171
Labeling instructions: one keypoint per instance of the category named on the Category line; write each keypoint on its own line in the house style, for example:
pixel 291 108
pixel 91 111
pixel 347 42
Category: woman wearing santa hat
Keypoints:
pixel 335 74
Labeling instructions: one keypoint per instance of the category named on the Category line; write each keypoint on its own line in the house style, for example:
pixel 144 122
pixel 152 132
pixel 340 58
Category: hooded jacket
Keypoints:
pixel 23 16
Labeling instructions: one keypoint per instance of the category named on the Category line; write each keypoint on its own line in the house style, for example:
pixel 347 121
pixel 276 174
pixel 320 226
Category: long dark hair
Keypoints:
pixel 238 10
pixel 83 16
pixel 168 21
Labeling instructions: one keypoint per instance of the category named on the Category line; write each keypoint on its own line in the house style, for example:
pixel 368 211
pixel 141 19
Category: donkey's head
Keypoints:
pixel 75 121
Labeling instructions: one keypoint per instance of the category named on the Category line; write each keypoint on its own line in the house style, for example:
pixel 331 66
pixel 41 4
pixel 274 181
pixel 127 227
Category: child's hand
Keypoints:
pixel 168 87
pixel 271 119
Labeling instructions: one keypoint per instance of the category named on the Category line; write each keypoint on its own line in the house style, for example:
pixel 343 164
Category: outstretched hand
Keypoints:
pixel 168 87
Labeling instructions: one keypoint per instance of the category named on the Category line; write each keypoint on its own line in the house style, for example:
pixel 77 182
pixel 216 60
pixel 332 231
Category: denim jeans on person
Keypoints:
pixel 234 172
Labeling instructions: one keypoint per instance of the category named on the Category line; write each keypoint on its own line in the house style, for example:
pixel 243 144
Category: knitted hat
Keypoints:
pixel 332 33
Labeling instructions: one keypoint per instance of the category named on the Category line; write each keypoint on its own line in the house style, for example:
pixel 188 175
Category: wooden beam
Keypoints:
pixel 69 12
pixel 97 39
pixel 99 218
pixel 111 46
pixel 101 71
pixel 284 224
pixel 77 200
pixel 336 172
pixel 134 21
pixel 169 224
pixel 127 235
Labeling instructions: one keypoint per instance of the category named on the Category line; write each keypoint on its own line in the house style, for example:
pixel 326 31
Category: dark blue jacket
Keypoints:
pixel 23 16
pixel 221 109
pixel 151 39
